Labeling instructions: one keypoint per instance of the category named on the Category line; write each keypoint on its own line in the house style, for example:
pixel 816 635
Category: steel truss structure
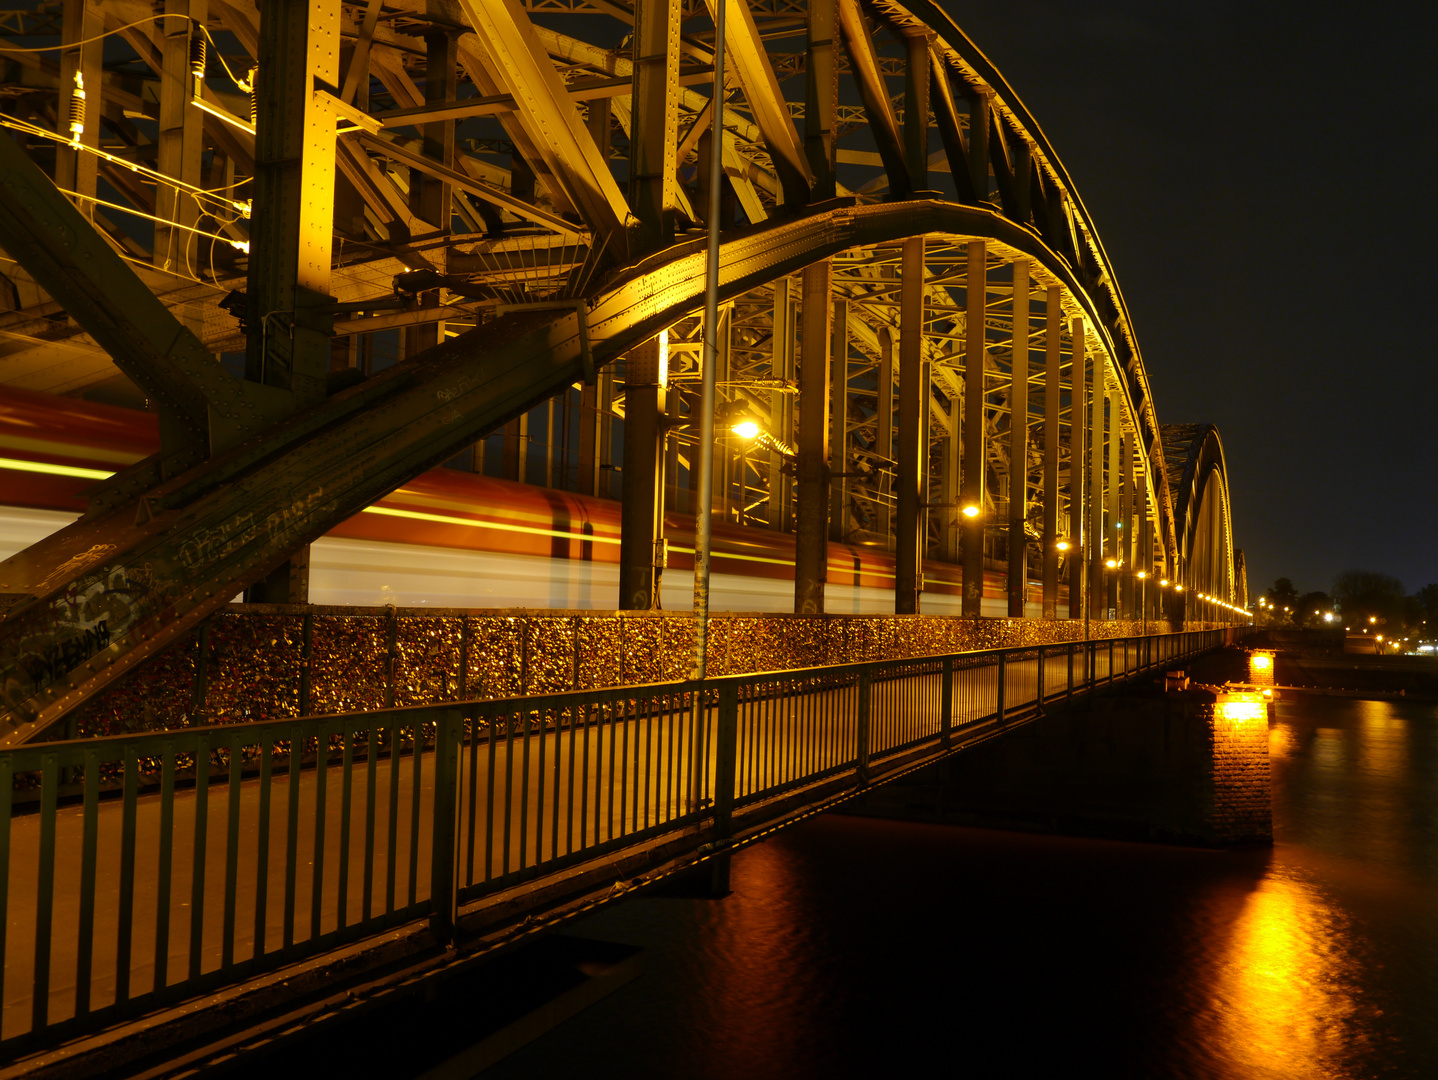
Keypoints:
pixel 336 244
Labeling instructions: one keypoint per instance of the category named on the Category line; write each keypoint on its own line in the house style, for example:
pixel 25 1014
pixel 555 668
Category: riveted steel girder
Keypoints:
pixel 228 522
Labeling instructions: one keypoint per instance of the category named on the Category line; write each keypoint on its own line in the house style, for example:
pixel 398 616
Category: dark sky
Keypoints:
pixel 1262 176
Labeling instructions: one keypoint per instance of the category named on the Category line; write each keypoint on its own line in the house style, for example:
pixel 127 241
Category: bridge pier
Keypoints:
pixel 1185 767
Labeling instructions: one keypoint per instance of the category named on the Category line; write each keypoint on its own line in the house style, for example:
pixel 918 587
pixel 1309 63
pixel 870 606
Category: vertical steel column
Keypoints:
pixel 916 109
pixel 640 514
pixel 913 432
pixel 293 224
pixel 1019 443
pixel 975 355
pixel 821 96
pixel 1053 313
pixel 839 422
pixel 293 221
pixel 781 404
pixel 654 124
pixel 75 170
pixel 1126 534
pixel 1078 553
pixel 432 200
pixel 1098 401
pixel 885 423
pixel 179 146
pixel 951 477
pixel 1113 545
pixel 811 539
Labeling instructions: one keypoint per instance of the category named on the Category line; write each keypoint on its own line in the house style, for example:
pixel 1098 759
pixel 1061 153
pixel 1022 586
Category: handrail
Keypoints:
pixel 325 828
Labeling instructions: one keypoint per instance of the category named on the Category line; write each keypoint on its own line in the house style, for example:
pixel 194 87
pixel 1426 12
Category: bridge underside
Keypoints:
pixel 422 234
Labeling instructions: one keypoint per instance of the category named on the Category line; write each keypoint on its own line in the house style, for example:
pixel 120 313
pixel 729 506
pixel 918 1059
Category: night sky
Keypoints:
pixel 1262 178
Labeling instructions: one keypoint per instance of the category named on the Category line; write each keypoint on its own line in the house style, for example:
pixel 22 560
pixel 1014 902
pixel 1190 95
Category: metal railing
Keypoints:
pixel 148 869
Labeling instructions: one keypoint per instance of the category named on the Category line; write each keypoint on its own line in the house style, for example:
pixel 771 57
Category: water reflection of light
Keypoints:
pixel 1383 741
pixel 1281 741
pixel 1286 985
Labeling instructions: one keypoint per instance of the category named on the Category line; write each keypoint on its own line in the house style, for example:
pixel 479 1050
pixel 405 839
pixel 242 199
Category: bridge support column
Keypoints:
pixel 976 294
pixel 781 406
pixel 1053 315
pixel 884 421
pixel 642 483
pixel 432 200
pixel 293 224
pixel 913 433
pixel 1097 593
pixel 811 533
pixel 1126 598
pixel 1113 539
pixel 839 423
pixel 654 128
pixel 1078 480
pixel 1019 444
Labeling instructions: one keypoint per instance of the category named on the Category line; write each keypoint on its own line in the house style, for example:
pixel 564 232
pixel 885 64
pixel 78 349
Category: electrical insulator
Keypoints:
pixel 77 110
pixel 252 86
pixel 197 58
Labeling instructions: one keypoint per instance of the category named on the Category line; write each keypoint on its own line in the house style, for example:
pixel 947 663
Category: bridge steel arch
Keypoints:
pixel 1207 560
pixel 554 277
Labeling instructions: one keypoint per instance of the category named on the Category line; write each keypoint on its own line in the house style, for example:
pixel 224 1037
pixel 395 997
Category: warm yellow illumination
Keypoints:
pixel 1178 588
pixel 1110 563
pixel 1242 707
pixel 745 429
pixel 1142 574
pixel 1261 661
pixel 1164 582
pixel 55 470
pixel 971 511
pixel 1371 618
pixel 1062 545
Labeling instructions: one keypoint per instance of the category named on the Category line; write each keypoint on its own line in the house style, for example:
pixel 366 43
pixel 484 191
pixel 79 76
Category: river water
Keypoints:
pixel 854 947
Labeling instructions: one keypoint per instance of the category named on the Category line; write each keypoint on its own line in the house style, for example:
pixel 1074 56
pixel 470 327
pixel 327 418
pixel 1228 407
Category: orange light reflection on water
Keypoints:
pixel 1284 994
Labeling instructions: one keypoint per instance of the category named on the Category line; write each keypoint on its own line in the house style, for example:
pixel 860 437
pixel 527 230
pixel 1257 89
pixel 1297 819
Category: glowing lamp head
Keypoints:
pixel 1111 563
pixel 1142 574
pixel 1062 545
pixel 1163 582
pixel 970 511
pixel 1178 588
pixel 745 429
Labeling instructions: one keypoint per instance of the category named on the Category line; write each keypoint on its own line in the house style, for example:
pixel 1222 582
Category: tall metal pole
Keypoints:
pixel 704 489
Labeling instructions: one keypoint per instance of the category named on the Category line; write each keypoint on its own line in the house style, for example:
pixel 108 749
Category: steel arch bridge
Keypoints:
pixel 513 189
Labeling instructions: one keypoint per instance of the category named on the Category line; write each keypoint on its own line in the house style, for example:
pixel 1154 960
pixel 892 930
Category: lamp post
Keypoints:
pixel 704 488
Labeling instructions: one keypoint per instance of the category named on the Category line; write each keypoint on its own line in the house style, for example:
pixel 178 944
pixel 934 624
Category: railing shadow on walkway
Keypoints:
pixel 192 860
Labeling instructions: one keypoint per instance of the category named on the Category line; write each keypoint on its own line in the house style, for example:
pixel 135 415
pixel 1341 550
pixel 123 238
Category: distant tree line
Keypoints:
pixel 1358 597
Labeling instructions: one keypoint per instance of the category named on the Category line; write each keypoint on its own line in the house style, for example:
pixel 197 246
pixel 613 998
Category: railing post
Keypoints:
pixel 1110 661
pixel 726 760
pixel 946 705
pixel 1071 669
pixel 443 893
pixel 861 739
pixel 999 690
pixel 1039 688
pixel 726 767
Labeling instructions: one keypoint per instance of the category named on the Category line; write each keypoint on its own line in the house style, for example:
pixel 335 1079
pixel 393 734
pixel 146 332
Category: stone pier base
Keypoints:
pixel 1187 767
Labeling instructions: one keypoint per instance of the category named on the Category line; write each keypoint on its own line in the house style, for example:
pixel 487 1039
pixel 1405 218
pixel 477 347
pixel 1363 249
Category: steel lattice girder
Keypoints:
pixel 287 483
pixel 226 523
